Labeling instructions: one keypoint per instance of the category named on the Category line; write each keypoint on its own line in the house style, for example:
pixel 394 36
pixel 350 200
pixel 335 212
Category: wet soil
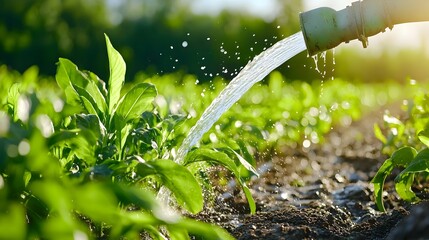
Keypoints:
pixel 323 192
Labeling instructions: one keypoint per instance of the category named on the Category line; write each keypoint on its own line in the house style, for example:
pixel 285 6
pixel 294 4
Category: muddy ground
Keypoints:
pixel 323 192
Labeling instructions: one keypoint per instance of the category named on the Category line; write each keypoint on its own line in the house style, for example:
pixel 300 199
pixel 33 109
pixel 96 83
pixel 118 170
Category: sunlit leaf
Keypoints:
pixel 76 85
pixel 249 197
pixel 136 101
pixel 203 230
pixel 378 182
pixel 403 187
pixel 117 70
pixel 424 137
pixel 96 202
pixel 403 156
pixel 13 222
pixel 178 179
pixel 405 179
pixel 246 164
pixel 208 155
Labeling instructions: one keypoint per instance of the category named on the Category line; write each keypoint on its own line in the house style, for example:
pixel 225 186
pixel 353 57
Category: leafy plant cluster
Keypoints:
pixel 406 141
pixel 87 161
pixel 277 113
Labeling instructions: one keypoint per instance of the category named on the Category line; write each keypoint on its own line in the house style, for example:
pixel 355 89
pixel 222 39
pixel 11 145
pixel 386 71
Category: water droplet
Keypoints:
pixel 208 39
pixel 23 147
pixel 203 67
pixel 23 108
pixel 306 143
pixel 171 47
pixel 45 125
pixel 184 44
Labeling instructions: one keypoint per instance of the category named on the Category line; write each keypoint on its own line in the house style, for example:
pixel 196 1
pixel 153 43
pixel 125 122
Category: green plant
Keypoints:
pixel 91 166
pixel 401 142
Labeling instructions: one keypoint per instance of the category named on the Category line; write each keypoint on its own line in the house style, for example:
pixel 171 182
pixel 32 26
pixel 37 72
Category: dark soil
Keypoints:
pixel 323 192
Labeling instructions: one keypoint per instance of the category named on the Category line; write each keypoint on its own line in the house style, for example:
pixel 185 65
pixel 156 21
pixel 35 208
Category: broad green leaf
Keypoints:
pixel 90 122
pixel 97 202
pixel 141 221
pixel 135 102
pixel 207 155
pixel 93 96
pixel 117 70
pixel 178 179
pixel 67 71
pixel 13 222
pixel 86 103
pixel 378 182
pixel 137 196
pixel 403 156
pixel 405 179
pixel 98 82
pixel 176 233
pixel 76 84
pixel 422 159
pixel 55 196
pixel 403 187
pixel 424 137
pixel 203 230
pixel 82 143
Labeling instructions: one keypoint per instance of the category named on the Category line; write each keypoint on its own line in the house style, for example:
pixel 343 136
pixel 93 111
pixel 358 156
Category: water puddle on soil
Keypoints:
pixel 252 73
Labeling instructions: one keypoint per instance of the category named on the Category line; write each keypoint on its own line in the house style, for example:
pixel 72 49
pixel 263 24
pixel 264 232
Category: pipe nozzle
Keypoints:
pixel 324 28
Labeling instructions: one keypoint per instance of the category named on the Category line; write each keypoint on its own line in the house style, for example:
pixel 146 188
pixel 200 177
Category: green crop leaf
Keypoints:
pixel 117 70
pixel 202 230
pixel 403 156
pixel 399 158
pixel 246 164
pixel 249 197
pixel 76 86
pixel 403 187
pixel 96 202
pixel 378 182
pixel 135 102
pixel 424 137
pixel 405 179
pixel 178 179
pixel 207 155
pixel 13 222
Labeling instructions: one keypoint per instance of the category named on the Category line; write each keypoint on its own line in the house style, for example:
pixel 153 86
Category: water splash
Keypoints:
pixel 252 73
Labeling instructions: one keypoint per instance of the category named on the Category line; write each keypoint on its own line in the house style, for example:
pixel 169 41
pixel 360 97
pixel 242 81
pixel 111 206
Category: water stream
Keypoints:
pixel 252 73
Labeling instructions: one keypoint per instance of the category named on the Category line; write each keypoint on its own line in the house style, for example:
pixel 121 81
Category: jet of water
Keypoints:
pixel 252 73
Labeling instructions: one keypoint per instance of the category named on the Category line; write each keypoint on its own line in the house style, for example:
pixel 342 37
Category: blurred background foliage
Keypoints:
pixel 160 37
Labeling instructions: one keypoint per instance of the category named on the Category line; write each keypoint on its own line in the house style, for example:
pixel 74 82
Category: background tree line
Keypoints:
pixel 166 36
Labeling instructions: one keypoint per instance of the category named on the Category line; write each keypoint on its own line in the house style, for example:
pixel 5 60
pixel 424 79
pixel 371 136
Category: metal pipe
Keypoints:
pixel 324 28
